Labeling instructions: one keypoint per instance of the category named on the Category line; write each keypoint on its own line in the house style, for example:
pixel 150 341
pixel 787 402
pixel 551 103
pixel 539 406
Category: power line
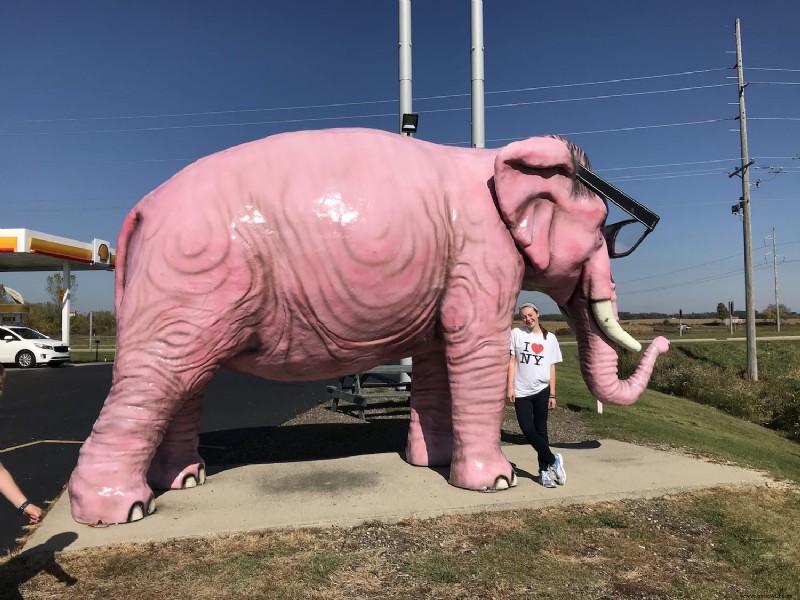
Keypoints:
pixel 705 264
pixel 358 103
pixel 700 162
pixel 205 126
pixel 619 129
pixel 774 118
pixel 768 69
pixel 366 116
pixel 692 282
pixel 675 175
pixel 100 162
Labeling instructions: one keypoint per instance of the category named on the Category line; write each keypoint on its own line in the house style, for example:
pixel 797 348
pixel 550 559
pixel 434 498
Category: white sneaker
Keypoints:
pixel 546 480
pixel 557 470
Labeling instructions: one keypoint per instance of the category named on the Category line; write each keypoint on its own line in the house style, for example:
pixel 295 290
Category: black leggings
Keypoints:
pixel 532 418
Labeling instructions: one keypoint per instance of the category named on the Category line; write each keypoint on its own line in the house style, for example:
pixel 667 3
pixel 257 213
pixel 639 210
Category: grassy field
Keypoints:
pixel 668 421
pixel 728 543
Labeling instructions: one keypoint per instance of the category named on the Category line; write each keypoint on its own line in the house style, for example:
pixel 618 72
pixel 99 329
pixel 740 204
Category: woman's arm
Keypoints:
pixel 551 403
pixel 10 489
pixel 512 366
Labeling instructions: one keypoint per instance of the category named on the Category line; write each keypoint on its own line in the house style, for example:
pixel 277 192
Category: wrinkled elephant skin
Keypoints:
pixel 311 255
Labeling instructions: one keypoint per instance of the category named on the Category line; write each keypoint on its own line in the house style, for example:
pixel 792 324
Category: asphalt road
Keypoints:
pixel 46 413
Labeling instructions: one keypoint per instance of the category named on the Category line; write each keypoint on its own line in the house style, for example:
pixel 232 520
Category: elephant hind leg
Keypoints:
pixel 430 429
pixel 177 463
pixel 147 431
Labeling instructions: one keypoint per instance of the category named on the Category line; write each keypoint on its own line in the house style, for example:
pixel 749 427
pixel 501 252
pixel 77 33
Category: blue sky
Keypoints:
pixel 103 101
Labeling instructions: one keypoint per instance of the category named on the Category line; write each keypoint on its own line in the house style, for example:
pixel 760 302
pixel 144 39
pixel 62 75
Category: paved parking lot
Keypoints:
pixel 46 413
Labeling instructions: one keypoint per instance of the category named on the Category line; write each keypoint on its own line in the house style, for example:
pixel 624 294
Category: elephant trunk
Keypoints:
pixel 595 332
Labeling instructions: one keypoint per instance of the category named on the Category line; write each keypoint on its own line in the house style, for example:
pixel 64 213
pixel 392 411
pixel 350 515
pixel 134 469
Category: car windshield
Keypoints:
pixel 27 333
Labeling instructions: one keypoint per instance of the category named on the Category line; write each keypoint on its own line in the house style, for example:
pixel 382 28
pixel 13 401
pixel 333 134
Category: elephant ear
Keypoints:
pixel 530 177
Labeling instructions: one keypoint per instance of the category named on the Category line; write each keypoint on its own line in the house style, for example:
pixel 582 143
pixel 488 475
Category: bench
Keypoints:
pixel 358 388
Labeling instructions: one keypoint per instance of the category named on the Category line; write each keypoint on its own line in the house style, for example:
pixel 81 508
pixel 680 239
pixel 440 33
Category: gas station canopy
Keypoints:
pixel 28 250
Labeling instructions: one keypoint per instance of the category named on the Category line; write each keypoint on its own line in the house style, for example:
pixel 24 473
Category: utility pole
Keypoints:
pixel 775 271
pixel 752 360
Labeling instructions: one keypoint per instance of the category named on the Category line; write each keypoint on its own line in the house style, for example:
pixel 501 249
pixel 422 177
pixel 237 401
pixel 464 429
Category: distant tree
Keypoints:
pixel 79 324
pixel 45 317
pixel 56 287
pixel 771 314
pixel 104 323
pixel 722 311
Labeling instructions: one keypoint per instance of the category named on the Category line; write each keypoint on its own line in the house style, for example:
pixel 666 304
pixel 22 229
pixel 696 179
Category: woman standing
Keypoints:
pixel 532 389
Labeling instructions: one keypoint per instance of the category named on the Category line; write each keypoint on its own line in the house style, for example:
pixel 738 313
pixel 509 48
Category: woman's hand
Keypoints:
pixel 33 512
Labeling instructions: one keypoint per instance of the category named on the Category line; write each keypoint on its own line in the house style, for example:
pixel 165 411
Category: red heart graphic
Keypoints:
pixel 537 348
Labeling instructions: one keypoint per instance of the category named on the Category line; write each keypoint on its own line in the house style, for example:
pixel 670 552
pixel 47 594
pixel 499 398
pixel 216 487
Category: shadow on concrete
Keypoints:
pixel 315 441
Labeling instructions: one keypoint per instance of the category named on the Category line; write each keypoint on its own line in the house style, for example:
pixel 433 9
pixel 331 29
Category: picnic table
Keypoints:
pixel 378 382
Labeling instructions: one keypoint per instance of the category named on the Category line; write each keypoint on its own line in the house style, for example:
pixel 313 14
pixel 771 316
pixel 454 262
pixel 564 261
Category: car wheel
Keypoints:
pixel 25 360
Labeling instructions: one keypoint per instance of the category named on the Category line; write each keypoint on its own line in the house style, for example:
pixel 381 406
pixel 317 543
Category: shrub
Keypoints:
pixel 715 376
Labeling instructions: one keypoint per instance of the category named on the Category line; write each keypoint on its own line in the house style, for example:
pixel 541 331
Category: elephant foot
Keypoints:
pixel 484 471
pixel 428 450
pixel 101 499
pixel 173 475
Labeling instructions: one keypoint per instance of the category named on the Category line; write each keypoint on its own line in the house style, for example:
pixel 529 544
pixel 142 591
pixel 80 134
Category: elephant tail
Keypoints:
pixel 129 227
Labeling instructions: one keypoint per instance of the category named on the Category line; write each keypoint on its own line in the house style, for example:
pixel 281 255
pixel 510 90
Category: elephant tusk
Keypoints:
pixel 604 317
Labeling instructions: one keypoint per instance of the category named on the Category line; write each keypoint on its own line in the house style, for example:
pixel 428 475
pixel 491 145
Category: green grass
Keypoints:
pixel 663 420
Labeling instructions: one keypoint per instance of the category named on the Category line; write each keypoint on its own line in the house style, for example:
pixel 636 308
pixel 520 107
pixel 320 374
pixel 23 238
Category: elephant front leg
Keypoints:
pixel 430 429
pixel 177 464
pixel 477 339
pixel 478 389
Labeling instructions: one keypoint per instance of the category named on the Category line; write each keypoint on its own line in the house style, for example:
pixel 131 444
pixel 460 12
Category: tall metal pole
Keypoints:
pixel 404 35
pixel 775 271
pixel 478 127
pixel 752 360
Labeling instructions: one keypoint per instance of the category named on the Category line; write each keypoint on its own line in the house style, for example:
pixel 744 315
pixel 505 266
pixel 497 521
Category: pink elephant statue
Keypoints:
pixel 315 254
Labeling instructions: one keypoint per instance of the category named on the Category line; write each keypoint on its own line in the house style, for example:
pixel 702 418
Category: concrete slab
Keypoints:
pixel 352 490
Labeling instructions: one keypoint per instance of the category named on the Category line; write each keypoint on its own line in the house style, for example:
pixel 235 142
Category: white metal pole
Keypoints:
pixel 65 304
pixel 478 122
pixel 404 34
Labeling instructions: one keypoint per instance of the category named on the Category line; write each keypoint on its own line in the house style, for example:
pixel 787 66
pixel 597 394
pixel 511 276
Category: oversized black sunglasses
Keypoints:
pixel 622 237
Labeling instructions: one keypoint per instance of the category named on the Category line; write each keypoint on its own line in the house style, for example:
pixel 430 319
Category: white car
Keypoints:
pixel 27 347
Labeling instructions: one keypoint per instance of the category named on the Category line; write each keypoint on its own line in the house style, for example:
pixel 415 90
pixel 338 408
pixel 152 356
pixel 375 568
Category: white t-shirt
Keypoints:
pixel 534 355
